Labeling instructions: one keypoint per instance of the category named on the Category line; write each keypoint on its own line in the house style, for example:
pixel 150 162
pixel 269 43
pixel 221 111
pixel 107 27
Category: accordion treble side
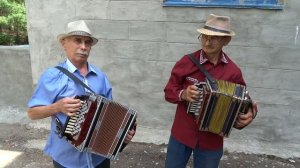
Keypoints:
pixel 99 126
pixel 216 109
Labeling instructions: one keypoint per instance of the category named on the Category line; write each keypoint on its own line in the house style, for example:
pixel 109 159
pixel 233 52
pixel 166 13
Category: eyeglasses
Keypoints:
pixel 213 39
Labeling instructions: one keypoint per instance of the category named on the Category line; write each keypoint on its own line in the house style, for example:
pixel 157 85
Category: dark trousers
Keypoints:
pixel 104 164
pixel 178 156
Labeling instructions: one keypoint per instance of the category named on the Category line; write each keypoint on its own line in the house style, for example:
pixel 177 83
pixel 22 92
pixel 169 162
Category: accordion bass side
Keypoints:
pixel 99 126
pixel 216 108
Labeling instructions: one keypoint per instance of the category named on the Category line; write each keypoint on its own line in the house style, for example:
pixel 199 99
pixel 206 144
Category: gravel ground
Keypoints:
pixel 28 142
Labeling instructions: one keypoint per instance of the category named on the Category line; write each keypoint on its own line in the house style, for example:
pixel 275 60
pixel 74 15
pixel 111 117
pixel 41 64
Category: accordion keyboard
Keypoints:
pixel 74 122
pixel 194 107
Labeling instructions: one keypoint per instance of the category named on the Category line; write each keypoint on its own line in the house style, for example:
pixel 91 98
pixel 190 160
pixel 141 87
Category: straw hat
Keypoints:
pixel 217 26
pixel 77 28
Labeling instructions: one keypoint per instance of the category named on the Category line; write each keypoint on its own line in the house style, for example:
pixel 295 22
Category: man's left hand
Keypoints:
pixel 245 119
pixel 130 134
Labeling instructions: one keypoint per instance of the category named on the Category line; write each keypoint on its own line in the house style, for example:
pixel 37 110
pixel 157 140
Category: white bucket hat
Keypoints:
pixel 77 28
pixel 217 26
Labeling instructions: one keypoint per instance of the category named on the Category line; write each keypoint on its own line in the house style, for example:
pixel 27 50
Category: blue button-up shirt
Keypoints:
pixel 54 85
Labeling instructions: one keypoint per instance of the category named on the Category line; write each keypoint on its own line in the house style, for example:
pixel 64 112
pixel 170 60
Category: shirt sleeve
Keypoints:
pixel 46 90
pixel 175 85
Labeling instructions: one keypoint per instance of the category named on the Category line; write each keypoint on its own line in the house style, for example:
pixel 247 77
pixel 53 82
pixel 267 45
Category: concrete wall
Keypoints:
pixel 16 83
pixel 141 40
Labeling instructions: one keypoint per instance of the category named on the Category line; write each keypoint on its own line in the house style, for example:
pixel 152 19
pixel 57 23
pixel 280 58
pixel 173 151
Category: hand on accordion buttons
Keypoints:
pixel 68 105
pixel 190 93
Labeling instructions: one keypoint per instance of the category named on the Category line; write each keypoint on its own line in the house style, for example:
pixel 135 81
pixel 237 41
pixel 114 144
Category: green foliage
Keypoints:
pixel 13 29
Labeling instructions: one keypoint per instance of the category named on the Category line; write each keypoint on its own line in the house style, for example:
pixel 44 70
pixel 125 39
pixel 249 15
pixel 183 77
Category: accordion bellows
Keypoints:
pixel 216 108
pixel 99 126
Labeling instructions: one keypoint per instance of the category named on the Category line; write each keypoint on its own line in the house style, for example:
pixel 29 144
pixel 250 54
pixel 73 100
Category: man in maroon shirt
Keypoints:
pixel 185 136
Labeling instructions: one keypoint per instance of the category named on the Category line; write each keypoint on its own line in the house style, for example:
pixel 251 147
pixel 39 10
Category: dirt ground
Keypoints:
pixel 24 139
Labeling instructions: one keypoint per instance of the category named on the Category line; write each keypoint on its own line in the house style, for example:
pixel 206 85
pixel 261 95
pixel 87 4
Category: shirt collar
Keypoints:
pixel 203 59
pixel 72 68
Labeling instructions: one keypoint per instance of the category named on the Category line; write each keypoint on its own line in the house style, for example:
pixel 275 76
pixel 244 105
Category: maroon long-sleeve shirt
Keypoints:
pixel 186 73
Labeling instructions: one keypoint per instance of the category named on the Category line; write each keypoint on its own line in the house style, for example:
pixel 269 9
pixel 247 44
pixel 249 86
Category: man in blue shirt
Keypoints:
pixel 55 96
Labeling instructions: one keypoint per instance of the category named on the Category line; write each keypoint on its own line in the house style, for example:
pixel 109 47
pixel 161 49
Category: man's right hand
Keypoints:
pixel 190 93
pixel 68 105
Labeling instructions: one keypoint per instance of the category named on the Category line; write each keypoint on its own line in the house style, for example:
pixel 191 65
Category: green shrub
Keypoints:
pixel 13 29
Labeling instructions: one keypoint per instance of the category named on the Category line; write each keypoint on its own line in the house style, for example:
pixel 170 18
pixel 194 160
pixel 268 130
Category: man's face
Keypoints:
pixel 77 48
pixel 213 44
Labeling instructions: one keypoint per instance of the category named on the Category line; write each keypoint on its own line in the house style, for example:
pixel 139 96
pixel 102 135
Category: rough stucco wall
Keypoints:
pixel 16 83
pixel 141 40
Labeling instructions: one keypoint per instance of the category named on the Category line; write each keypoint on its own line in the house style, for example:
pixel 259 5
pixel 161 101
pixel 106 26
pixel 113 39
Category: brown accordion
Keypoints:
pixel 216 108
pixel 99 126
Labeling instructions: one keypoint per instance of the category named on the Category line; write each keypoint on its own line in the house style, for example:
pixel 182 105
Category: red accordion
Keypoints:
pixel 99 126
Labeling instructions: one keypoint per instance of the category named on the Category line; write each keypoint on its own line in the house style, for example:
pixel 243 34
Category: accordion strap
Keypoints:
pixel 74 78
pixel 211 80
